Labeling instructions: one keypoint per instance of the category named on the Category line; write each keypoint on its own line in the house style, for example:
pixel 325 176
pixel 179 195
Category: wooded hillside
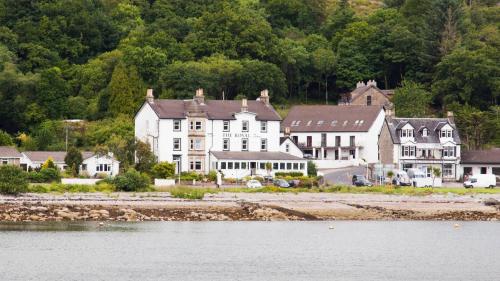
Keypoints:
pixel 93 59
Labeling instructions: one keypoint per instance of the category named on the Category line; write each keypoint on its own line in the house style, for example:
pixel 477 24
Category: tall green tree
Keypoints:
pixel 73 159
pixel 412 100
pixel 126 90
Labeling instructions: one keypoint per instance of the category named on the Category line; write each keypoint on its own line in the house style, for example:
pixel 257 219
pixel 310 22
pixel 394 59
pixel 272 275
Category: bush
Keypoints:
pixel 189 193
pixel 12 180
pixel 290 174
pixel 132 180
pixel 312 171
pixel 163 170
pixel 189 176
pixel 45 175
pixel 212 176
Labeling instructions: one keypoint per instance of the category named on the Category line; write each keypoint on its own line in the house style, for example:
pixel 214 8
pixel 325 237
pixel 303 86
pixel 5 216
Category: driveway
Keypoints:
pixel 342 175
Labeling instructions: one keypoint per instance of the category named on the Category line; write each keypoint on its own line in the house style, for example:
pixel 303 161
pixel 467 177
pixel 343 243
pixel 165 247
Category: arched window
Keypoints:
pixel 368 100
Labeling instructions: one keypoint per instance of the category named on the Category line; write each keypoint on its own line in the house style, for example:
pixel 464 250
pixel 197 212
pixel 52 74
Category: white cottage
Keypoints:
pixel 199 135
pixel 335 136
pixel 93 164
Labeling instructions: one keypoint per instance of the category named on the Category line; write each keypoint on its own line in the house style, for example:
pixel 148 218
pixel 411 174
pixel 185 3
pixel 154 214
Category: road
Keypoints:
pixel 342 175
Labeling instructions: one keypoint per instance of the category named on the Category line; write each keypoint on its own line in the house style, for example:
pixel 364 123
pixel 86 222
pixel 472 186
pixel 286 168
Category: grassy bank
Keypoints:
pixel 72 188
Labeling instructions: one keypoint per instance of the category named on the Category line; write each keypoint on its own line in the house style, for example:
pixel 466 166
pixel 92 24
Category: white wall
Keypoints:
pixel 92 163
pixel 241 173
pixel 146 125
pixel 292 148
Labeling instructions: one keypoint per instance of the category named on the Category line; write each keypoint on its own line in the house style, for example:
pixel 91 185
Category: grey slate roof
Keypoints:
pixel 330 118
pixel 432 124
pixel 213 109
pixel 256 156
pixel 9 152
pixel 490 156
pixel 57 156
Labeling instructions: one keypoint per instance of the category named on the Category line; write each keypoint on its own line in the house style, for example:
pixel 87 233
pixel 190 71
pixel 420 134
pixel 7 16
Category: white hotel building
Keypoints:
pixel 235 137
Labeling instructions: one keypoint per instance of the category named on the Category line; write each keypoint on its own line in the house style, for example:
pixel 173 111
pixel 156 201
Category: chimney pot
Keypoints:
pixel 199 97
pixel 451 117
pixel 149 96
pixel 287 131
pixel 264 96
pixel 244 105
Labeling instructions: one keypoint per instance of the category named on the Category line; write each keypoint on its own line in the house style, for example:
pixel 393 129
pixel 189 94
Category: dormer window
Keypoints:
pixel 446 133
pixel 425 132
pixel 407 133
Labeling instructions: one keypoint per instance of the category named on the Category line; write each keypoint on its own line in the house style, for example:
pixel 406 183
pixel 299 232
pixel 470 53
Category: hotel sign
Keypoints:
pixel 238 135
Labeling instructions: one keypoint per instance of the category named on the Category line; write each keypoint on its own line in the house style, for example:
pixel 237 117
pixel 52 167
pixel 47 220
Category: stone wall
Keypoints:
pixel 378 98
pixel 386 147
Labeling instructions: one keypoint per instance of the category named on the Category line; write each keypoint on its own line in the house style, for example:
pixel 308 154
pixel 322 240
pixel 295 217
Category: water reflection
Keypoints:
pixel 68 226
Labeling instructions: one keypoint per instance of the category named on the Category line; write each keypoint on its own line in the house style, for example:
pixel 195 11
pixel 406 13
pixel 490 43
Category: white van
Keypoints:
pixel 401 178
pixel 420 179
pixel 482 180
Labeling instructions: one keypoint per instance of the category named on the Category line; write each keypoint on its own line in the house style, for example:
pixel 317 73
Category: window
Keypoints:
pixel 195 144
pixel 197 165
pixel 236 165
pixel 447 170
pixel 225 144
pixel 288 166
pixel 244 144
pixel 336 154
pixel 295 166
pixel 5 162
pixel 177 144
pixel 408 151
pixel 352 141
pixel 407 133
pixel 225 126
pixel 263 144
pixel 244 126
pixel 282 166
pixel 352 152
pixel 425 132
pixel 446 133
pixel 103 168
pixel 262 165
pixel 223 165
pixel 302 166
pixel 198 125
pixel 230 165
pixel 263 126
pixel 484 170
pixel 177 125
pixel 191 125
pixel 84 167
pixel 244 165
pixel 287 147
pixel 368 100
pixel 337 140
pixel 449 151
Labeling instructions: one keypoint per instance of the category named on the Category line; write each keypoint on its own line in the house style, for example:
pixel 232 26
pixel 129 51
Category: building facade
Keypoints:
pixel 10 156
pixel 335 136
pixel 200 135
pixel 367 94
pixel 476 162
pixel 421 143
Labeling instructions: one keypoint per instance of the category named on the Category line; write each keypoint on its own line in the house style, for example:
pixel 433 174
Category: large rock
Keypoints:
pixel 491 202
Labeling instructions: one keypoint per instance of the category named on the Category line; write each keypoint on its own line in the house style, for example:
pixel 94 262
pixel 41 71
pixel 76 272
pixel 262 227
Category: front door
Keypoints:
pixel 177 159
pixel 253 166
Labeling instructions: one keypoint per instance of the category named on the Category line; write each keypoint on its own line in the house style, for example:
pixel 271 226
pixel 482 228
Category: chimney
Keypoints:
pixel 264 96
pixel 371 83
pixel 390 110
pixel 360 84
pixel 451 117
pixel 244 105
pixel 199 97
pixel 149 96
pixel 287 131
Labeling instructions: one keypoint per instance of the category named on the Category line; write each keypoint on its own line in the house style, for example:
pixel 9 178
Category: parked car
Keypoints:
pixel 482 180
pixel 294 183
pixel 254 184
pixel 360 180
pixel 281 183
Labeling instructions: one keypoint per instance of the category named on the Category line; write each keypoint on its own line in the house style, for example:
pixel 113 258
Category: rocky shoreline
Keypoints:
pixel 245 207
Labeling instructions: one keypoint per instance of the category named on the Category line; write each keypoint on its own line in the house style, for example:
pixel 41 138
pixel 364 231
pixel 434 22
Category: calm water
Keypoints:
pixel 251 251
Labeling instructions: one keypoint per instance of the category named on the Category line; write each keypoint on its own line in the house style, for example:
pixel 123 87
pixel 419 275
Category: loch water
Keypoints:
pixel 336 250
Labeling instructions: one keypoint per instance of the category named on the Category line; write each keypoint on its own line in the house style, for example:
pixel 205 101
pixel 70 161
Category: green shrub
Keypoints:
pixel 62 188
pixel 132 180
pixel 189 176
pixel 163 170
pixel 291 174
pixel 212 175
pixel 12 180
pixel 312 171
pixel 189 193
pixel 45 175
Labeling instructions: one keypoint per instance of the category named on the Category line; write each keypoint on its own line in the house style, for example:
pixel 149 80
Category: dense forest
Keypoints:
pixel 93 60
